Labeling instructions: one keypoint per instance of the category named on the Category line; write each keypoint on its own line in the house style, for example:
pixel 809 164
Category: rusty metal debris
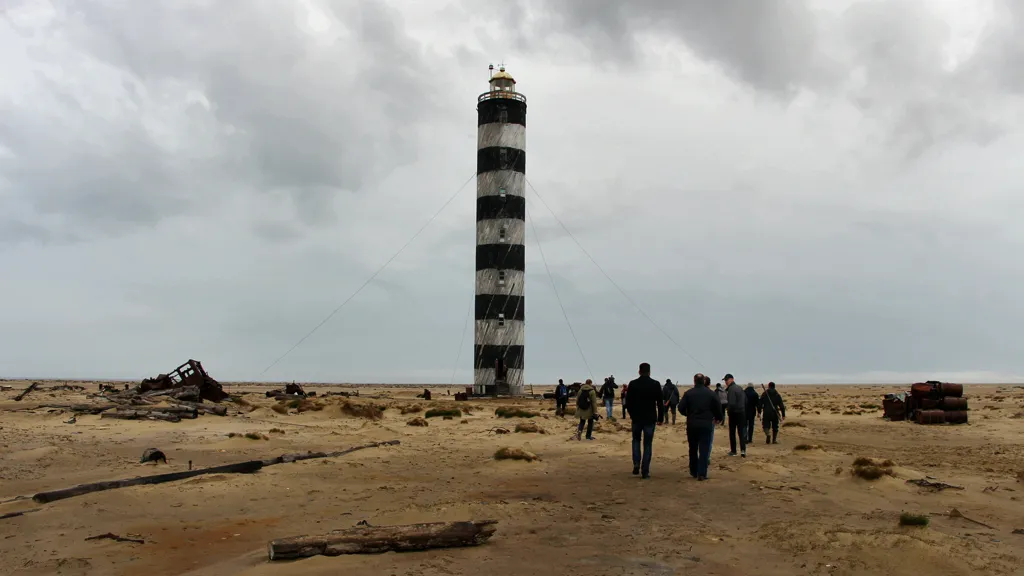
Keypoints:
pixel 185 377
pixel 925 483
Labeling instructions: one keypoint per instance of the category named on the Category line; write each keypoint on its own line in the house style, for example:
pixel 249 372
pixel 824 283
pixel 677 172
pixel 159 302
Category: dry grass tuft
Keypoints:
pixel 309 406
pixel 529 428
pixel 249 435
pixel 908 519
pixel 239 401
pixel 794 424
pixel 369 411
pixel 869 406
pixel 1020 476
pixel 514 412
pixel 871 469
pixel 279 408
pixel 514 454
pixel 443 413
pixel 414 409
pixel 418 422
pixel 464 421
pixel 807 447
pixel 276 431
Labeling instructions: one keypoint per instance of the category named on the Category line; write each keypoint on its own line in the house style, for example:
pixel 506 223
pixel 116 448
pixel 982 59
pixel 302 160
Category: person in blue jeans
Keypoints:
pixel 608 395
pixel 703 411
pixel 644 399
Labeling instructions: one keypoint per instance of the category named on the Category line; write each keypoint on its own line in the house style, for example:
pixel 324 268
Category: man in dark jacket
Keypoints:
pixel 753 410
pixel 703 410
pixel 608 395
pixel 561 398
pixel 670 396
pixel 644 400
pixel 737 408
pixel 772 411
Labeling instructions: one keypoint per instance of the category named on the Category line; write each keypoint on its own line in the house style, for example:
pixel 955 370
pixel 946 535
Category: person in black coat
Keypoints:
pixel 773 410
pixel 753 410
pixel 703 410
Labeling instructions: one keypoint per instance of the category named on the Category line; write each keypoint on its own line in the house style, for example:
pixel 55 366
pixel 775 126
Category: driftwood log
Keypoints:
pixel 145 415
pixel 378 539
pixel 310 455
pixel 239 468
pixel 203 408
pixel 25 392
pixel 81 408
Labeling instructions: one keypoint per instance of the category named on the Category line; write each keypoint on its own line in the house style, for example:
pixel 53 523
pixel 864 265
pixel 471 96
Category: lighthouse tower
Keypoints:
pixel 500 234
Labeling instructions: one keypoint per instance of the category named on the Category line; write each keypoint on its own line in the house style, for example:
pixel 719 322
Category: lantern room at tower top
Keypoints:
pixel 503 85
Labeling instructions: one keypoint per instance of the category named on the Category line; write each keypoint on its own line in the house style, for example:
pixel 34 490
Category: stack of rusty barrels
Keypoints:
pixel 935 402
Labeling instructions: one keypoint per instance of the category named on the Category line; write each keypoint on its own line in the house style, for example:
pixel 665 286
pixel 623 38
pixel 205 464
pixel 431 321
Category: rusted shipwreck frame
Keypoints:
pixel 189 374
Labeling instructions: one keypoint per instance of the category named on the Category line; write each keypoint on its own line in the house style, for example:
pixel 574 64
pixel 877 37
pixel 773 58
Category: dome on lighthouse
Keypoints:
pixel 503 75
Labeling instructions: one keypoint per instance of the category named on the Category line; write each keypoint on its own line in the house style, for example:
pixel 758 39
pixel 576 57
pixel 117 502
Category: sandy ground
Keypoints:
pixel 577 510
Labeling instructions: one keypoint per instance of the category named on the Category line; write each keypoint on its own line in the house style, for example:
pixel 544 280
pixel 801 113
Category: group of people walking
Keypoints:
pixel 650 403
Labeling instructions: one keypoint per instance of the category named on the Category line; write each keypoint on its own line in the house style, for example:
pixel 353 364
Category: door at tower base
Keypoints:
pixel 485 381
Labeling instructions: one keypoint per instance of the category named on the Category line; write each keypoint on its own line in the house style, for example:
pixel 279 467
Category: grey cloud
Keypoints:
pixel 190 101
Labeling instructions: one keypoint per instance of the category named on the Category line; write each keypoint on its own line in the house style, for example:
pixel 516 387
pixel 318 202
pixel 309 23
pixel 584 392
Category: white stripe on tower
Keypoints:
pixel 499 332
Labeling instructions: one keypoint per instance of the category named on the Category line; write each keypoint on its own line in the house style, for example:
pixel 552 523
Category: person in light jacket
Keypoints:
pixel 586 404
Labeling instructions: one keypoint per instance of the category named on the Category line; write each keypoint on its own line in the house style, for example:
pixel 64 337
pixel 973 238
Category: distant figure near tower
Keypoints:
pixel 500 233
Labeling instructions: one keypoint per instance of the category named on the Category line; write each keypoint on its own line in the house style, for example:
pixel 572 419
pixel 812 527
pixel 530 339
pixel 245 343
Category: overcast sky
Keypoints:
pixel 815 191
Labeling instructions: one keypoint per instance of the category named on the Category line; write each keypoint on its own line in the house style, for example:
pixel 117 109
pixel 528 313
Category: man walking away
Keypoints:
pixel 707 384
pixel 737 415
pixel 561 398
pixel 772 410
pixel 702 409
pixel 670 395
pixel 622 399
pixel 753 410
pixel 586 403
pixel 722 397
pixel 644 400
pixel 608 395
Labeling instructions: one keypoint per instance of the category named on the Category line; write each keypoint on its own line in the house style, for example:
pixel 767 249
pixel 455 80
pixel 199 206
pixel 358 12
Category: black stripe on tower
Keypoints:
pixel 501 257
pixel 491 306
pixel 501 110
pixel 487 355
pixel 499 208
pixel 494 158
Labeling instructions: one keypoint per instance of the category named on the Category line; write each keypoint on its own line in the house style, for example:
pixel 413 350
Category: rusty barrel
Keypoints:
pixel 931 417
pixel 930 404
pixel 951 403
pixel 956 416
pixel 924 390
pixel 951 390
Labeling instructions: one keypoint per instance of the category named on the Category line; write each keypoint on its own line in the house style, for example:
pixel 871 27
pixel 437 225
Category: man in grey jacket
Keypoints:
pixel 737 403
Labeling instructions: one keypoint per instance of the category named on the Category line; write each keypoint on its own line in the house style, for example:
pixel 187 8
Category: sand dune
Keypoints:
pixel 576 510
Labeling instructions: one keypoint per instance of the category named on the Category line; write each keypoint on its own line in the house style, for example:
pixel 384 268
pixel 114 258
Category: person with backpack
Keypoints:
pixel 608 395
pixel 753 410
pixel 644 400
pixel 561 398
pixel 622 399
pixel 586 403
pixel 772 410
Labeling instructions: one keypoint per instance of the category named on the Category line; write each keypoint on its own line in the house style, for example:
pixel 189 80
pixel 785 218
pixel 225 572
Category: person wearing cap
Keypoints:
pixel 753 410
pixel 772 411
pixel 670 394
pixel 737 409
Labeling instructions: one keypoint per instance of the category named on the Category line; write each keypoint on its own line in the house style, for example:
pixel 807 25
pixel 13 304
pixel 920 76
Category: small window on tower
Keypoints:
pixel 501 277
pixel 503 158
pixel 501 319
pixel 502 233
pixel 503 116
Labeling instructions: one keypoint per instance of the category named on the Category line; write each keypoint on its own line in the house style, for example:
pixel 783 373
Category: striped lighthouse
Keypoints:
pixel 500 234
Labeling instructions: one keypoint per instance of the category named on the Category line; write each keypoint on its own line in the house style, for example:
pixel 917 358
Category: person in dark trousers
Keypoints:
pixel 753 410
pixel 586 404
pixel 670 396
pixel 737 409
pixel 722 397
pixel 707 384
pixel 644 400
pixel 702 409
pixel 561 398
pixel 622 399
pixel 772 411
pixel 608 395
